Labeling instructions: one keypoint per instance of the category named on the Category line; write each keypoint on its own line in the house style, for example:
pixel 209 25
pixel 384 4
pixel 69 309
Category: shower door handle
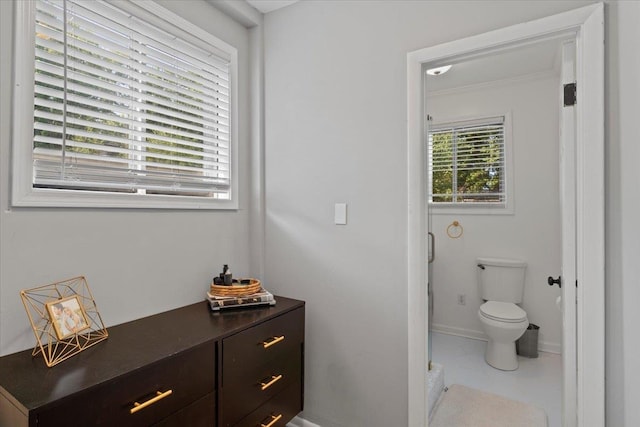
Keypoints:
pixel 432 247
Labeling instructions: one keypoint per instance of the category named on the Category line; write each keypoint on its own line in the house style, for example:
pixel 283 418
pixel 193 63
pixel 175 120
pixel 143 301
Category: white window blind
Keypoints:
pixel 123 106
pixel 467 162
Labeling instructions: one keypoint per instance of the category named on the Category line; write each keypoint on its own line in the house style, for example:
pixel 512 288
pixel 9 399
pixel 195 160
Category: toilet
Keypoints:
pixel 501 286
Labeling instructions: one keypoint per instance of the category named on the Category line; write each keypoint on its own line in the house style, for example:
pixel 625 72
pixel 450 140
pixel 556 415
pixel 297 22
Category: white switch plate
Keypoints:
pixel 340 216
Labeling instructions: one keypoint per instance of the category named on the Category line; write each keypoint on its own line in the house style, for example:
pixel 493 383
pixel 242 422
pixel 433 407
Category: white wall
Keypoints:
pixel 137 262
pixel 336 132
pixel 531 233
pixel 622 91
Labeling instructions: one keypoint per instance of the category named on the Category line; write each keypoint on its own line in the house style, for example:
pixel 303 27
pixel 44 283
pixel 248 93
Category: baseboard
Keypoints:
pixel 459 332
pixel 549 347
pixel 545 346
pixel 301 422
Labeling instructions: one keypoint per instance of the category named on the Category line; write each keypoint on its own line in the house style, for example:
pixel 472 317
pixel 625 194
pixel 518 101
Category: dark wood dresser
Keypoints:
pixel 187 367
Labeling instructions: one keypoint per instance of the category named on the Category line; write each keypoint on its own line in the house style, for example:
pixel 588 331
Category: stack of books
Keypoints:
pixel 262 297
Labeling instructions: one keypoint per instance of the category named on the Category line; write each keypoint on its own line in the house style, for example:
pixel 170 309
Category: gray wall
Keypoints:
pixel 137 262
pixel 622 92
pixel 336 132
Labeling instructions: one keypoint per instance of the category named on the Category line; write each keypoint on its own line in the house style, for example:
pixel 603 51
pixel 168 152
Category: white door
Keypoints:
pixel 568 220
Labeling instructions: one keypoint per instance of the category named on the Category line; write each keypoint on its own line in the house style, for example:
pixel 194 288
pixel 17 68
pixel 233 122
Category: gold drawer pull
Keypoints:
pixel 274 419
pixel 274 379
pixel 275 340
pixel 159 395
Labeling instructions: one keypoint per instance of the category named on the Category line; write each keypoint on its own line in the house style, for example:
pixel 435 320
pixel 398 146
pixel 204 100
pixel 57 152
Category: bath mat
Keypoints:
pixel 462 406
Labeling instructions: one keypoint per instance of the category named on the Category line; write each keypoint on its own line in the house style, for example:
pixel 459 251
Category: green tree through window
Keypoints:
pixel 467 162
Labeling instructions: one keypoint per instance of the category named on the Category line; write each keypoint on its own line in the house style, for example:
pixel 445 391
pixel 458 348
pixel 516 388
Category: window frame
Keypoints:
pixel 499 208
pixel 24 194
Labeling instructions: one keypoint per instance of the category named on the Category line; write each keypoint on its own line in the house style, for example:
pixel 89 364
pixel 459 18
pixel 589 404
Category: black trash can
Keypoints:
pixel 527 344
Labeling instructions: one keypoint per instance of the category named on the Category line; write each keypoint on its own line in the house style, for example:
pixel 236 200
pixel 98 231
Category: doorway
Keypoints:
pixel 585 27
pixel 494 192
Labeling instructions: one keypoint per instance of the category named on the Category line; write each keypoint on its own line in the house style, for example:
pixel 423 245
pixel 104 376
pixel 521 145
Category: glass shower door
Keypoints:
pixel 428 220
pixel 431 239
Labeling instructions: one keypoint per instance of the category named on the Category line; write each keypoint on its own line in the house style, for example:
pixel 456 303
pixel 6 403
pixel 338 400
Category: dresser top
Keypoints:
pixel 28 383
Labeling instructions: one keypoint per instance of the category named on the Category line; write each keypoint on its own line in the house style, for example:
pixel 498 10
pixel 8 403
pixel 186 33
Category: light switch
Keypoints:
pixel 340 214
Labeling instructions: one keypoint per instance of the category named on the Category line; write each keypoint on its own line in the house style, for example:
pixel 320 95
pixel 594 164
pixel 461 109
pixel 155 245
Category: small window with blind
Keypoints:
pixel 122 105
pixel 468 163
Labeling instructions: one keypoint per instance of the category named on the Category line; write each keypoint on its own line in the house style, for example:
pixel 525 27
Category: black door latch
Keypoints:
pixel 551 281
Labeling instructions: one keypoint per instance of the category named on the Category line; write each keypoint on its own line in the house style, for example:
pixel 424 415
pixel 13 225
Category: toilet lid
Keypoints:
pixel 503 311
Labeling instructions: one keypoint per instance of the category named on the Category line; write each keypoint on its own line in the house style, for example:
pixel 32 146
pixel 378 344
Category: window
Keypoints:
pixel 467 163
pixel 129 106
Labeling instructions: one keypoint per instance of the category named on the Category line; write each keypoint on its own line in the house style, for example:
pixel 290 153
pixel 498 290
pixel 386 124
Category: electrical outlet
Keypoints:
pixel 462 299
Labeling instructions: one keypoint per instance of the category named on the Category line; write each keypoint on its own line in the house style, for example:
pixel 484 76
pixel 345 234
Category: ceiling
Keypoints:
pixel 266 6
pixel 536 58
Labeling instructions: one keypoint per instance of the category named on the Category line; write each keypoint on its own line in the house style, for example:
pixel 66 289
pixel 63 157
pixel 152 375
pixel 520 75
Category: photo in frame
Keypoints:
pixel 67 316
pixel 64 318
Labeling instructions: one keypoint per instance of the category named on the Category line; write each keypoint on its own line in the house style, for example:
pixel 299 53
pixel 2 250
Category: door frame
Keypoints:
pixel 586 25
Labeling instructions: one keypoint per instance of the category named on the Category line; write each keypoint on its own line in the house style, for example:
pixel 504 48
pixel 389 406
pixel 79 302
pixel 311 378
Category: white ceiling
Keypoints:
pixel 266 6
pixel 531 59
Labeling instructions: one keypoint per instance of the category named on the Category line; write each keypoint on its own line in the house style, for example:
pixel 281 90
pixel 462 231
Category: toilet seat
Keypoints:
pixel 503 312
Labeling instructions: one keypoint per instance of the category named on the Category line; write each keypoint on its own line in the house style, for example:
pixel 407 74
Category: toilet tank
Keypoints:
pixel 501 279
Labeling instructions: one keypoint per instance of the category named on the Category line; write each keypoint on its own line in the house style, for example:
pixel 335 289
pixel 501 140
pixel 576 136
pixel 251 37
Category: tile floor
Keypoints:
pixel 536 381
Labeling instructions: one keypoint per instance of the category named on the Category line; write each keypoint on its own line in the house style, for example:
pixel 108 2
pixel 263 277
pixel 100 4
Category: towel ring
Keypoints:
pixel 452 233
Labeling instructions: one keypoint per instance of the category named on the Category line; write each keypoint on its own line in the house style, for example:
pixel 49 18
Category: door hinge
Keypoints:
pixel 429 118
pixel 570 94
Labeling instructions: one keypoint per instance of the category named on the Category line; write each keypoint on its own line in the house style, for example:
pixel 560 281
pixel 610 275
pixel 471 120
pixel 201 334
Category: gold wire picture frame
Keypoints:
pixel 64 318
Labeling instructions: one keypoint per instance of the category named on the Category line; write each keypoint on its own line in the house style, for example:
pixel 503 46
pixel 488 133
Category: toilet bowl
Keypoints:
pixel 504 323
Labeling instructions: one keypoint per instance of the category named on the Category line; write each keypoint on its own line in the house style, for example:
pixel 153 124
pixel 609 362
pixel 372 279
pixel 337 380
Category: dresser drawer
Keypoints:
pixel 160 389
pixel 248 391
pixel 201 413
pixel 259 345
pixel 259 363
pixel 278 411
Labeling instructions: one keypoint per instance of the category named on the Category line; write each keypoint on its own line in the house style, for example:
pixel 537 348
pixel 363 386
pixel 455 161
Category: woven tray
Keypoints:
pixel 236 290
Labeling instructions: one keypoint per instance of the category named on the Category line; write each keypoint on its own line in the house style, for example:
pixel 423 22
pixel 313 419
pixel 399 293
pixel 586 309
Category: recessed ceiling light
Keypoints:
pixel 439 70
